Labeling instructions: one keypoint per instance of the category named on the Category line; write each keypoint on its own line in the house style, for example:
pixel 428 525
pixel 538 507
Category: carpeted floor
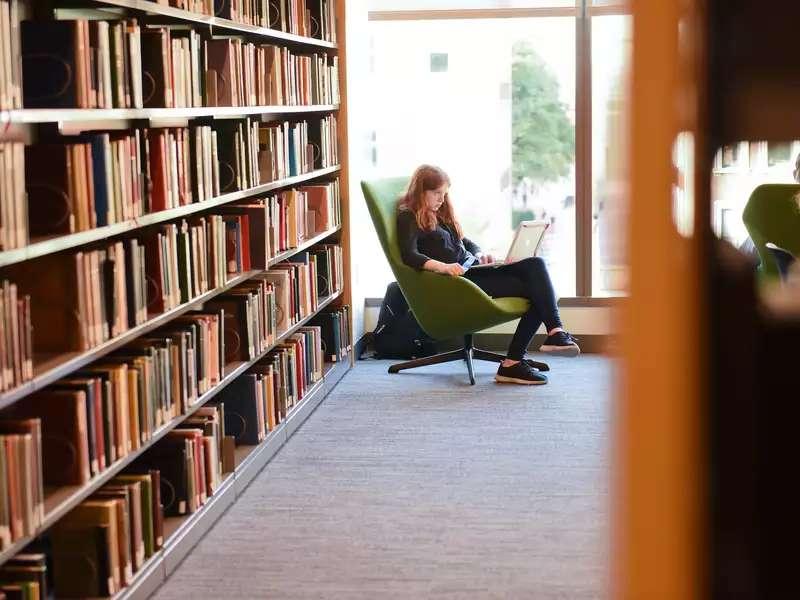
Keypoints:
pixel 417 485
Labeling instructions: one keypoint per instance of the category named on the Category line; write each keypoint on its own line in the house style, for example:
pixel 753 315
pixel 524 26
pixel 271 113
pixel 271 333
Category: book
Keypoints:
pixel 78 563
pixel 242 412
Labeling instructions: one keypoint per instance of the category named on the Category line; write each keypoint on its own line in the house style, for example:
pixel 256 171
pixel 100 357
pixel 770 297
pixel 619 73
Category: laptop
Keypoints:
pixel 526 243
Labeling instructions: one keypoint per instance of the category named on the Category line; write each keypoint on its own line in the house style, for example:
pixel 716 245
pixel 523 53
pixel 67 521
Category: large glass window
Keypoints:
pixel 498 116
pixel 502 105
pixel 611 51
pixel 407 5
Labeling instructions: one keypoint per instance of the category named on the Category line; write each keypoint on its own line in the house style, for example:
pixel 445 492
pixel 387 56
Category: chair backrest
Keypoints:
pixel 783 259
pixel 382 196
pixel 772 215
pixel 432 297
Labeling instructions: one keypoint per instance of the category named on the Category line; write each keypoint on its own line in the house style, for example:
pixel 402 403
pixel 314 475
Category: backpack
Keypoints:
pixel 397 334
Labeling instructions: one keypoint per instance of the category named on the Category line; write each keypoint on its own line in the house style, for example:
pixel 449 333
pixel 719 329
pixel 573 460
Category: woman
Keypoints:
pixel 431 239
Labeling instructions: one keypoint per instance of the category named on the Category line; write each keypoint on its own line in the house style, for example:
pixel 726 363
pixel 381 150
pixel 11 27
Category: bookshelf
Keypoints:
pixel 301 247
pixel 226 25
pixel 60 501
pixel 55 244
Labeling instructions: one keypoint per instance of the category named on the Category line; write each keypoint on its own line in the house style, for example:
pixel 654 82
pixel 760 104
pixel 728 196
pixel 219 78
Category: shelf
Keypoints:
pixel 65 242
pixel 307 244
pixel 59 501
pixel 101 116
pixel 49 370
pixel 269 35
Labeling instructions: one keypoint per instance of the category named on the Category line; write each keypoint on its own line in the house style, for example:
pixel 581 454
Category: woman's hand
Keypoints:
pixel 486 259
pixel 452 269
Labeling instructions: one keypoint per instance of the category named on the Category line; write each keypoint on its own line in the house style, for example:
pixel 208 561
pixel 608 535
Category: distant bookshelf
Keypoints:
pixel 174 271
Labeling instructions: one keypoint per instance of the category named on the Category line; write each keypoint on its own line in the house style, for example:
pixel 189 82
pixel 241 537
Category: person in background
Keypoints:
pixel 747 247
pixel 431 239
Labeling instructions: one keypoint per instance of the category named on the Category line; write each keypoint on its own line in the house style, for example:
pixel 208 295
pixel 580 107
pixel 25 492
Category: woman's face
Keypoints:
pixel 435 198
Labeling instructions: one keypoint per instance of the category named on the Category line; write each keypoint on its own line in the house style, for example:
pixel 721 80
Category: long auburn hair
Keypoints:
pixel 427 178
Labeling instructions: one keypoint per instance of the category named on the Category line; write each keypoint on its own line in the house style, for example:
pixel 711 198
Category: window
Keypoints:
pixel 429 5
pixel 739 169
pixel 438 62
pixel 505 122
pixel 611 51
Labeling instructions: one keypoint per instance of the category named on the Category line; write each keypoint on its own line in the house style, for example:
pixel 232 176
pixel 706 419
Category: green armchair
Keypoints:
pixel 772 215
pixel 445 307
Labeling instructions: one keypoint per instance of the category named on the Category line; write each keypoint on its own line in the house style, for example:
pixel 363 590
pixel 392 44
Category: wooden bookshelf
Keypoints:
pixel 48 370
pixel 29 125
pixel 265 34
pixel 43 247
pixel 59 501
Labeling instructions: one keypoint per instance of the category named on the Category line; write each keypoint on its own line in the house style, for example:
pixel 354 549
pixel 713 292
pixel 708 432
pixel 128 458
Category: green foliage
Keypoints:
pixel 517 216
pixel 543 137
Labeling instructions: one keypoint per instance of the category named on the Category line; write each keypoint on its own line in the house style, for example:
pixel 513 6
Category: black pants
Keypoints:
pixel 529 279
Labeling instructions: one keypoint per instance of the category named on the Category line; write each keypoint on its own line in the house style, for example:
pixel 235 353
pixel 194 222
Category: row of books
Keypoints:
pixel 103 412
pixel 75 429
pixel 250 318
pixel 303 281
pixel 10 64
pixel 260 400
pixel 24 577
pixel 16 337
pixel 298 214
pixel 112 407
pixel 98 547
pixel 118 64
pixel 99 179
pixel 310 18
pixel 13 213
pixel 80 300
pixel 289 149
pixel 336 334
pixel 80 426
pixel 21 480
pixel 238 73
pixel 84 299
pixel 94 64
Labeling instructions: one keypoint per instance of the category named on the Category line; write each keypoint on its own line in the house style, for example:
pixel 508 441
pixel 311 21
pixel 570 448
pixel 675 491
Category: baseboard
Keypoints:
pixel 499 342
pixel 590 344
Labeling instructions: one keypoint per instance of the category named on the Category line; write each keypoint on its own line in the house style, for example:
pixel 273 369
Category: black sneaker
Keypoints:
pixel 521 373
pixel 561 344
pixel 536 365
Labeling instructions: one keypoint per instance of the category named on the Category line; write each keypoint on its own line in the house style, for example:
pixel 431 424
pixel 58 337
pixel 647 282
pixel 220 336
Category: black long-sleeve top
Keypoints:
pixel 442 244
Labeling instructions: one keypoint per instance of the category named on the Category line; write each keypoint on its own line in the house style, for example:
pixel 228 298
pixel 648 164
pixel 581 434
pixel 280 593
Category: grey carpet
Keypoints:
pixel 417 485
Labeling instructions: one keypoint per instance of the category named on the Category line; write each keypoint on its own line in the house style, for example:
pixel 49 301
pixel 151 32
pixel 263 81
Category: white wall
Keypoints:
pixel 363 240
pixel 580 321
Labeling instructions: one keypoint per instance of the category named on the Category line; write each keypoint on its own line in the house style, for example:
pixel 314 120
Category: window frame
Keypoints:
pixel 583 12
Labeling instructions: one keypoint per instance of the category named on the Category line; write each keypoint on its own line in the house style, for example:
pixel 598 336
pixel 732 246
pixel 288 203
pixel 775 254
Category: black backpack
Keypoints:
pixel 397 334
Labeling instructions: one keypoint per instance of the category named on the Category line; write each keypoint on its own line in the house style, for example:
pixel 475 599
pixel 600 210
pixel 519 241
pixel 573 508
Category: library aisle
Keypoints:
pixel 417 486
